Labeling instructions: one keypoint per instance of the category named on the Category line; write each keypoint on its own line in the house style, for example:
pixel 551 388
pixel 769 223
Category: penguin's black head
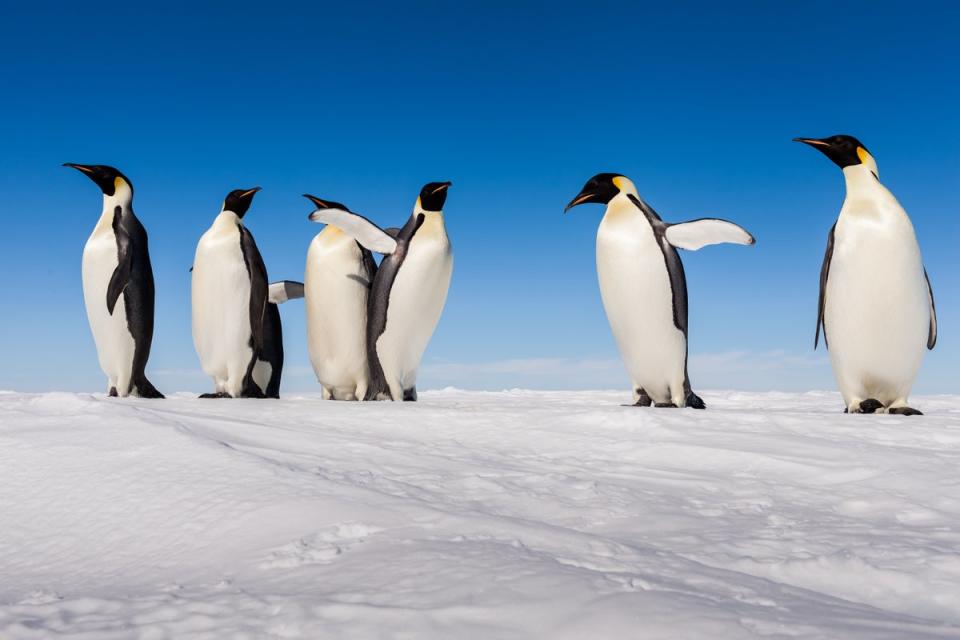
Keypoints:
pixel 239 200
pixel 433 195
pixel 600 189
pixel 107 178
pixel 844 150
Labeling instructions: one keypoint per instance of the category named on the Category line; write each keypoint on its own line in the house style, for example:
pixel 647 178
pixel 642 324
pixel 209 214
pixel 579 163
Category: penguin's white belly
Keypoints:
pixel 221 310
pixel 335 294
pixel 876 312
pixel 115 344
pixel 416 301
pixel 638 300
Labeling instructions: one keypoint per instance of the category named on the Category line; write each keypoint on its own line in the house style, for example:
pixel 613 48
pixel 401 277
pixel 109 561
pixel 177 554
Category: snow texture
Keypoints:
pixel 477 515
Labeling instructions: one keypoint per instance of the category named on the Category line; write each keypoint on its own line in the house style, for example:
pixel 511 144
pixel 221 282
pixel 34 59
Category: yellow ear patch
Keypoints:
pixel 864 156
pixel 618 182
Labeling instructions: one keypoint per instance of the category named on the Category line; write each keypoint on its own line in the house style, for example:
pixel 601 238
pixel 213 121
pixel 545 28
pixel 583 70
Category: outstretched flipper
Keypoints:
pixel 696 234
pixel 932 335
pixel 121 275
pixel 280 292
pixel 368 234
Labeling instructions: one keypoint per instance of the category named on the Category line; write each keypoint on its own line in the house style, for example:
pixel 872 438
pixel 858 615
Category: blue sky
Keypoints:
pixel 516 103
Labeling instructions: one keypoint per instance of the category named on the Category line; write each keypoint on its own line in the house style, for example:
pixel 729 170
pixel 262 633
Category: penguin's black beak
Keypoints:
pixel 583 197
pixel 442 186
pixel 249 193
pixel 102 176
pixel 79 167
pixel 320 203
pixel 813 142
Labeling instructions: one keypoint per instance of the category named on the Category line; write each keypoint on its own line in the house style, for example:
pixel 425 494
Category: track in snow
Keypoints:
pixel 477 515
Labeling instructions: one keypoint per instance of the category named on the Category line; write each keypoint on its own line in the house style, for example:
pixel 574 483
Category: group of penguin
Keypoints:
pixel 368 324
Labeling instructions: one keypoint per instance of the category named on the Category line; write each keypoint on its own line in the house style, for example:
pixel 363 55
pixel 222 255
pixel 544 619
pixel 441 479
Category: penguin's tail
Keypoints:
pixel 695 402
pixel 145 389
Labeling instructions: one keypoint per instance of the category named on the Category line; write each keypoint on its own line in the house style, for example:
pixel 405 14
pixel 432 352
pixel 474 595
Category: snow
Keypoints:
pixel 517 514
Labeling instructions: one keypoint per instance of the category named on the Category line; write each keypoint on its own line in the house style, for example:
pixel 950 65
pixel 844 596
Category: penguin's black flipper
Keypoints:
pixel 932 335
pixel 121 275
pixel 824 274
pixel 258 287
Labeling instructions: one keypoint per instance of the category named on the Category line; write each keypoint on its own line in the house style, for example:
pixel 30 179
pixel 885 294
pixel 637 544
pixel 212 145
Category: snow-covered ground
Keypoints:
pixel 477 515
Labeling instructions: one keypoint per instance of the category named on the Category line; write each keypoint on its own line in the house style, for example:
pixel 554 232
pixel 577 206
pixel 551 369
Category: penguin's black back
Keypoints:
pixel 379 300
pixel 272 350
pixel 138 302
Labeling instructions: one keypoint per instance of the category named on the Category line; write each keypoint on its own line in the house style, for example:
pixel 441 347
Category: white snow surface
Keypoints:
pixel 515 514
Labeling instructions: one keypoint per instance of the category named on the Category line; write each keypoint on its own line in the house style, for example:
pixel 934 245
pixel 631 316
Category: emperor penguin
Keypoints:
pixel 337 283
pixel 236 323
pixel 118 286
pixel 409 289
pixel 876 303
pixel 644 289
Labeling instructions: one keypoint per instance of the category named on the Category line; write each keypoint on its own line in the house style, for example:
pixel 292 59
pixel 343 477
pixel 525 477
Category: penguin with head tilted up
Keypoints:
pixel 118 286
pixel 409 289
pixel 643 286
pixel 337 283
pixel 236 323
pixel 876 303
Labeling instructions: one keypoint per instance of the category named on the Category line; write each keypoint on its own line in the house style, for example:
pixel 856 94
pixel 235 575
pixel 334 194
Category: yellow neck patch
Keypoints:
pixel 618 182
pixel 865 157
pixel 331 231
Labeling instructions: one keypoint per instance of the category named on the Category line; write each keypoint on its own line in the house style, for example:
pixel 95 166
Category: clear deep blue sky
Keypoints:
pixel 516 103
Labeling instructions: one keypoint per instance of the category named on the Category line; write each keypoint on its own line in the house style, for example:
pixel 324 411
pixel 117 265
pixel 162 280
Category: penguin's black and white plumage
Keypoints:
pixel 876 304
pixel 118 286
pixel 337 282
pixel 643 286
pixel 409 289
pixel 236 323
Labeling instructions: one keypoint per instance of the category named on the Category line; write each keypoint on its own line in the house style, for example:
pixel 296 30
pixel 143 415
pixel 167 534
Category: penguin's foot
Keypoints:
pixel 113 393
pixel 870 405
pixel 251 390
pixel 695 402
pixel 218 394
pixel 665 405
pixel 410 395
pixel 643 400
pixel 904 411
pixel 145 389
